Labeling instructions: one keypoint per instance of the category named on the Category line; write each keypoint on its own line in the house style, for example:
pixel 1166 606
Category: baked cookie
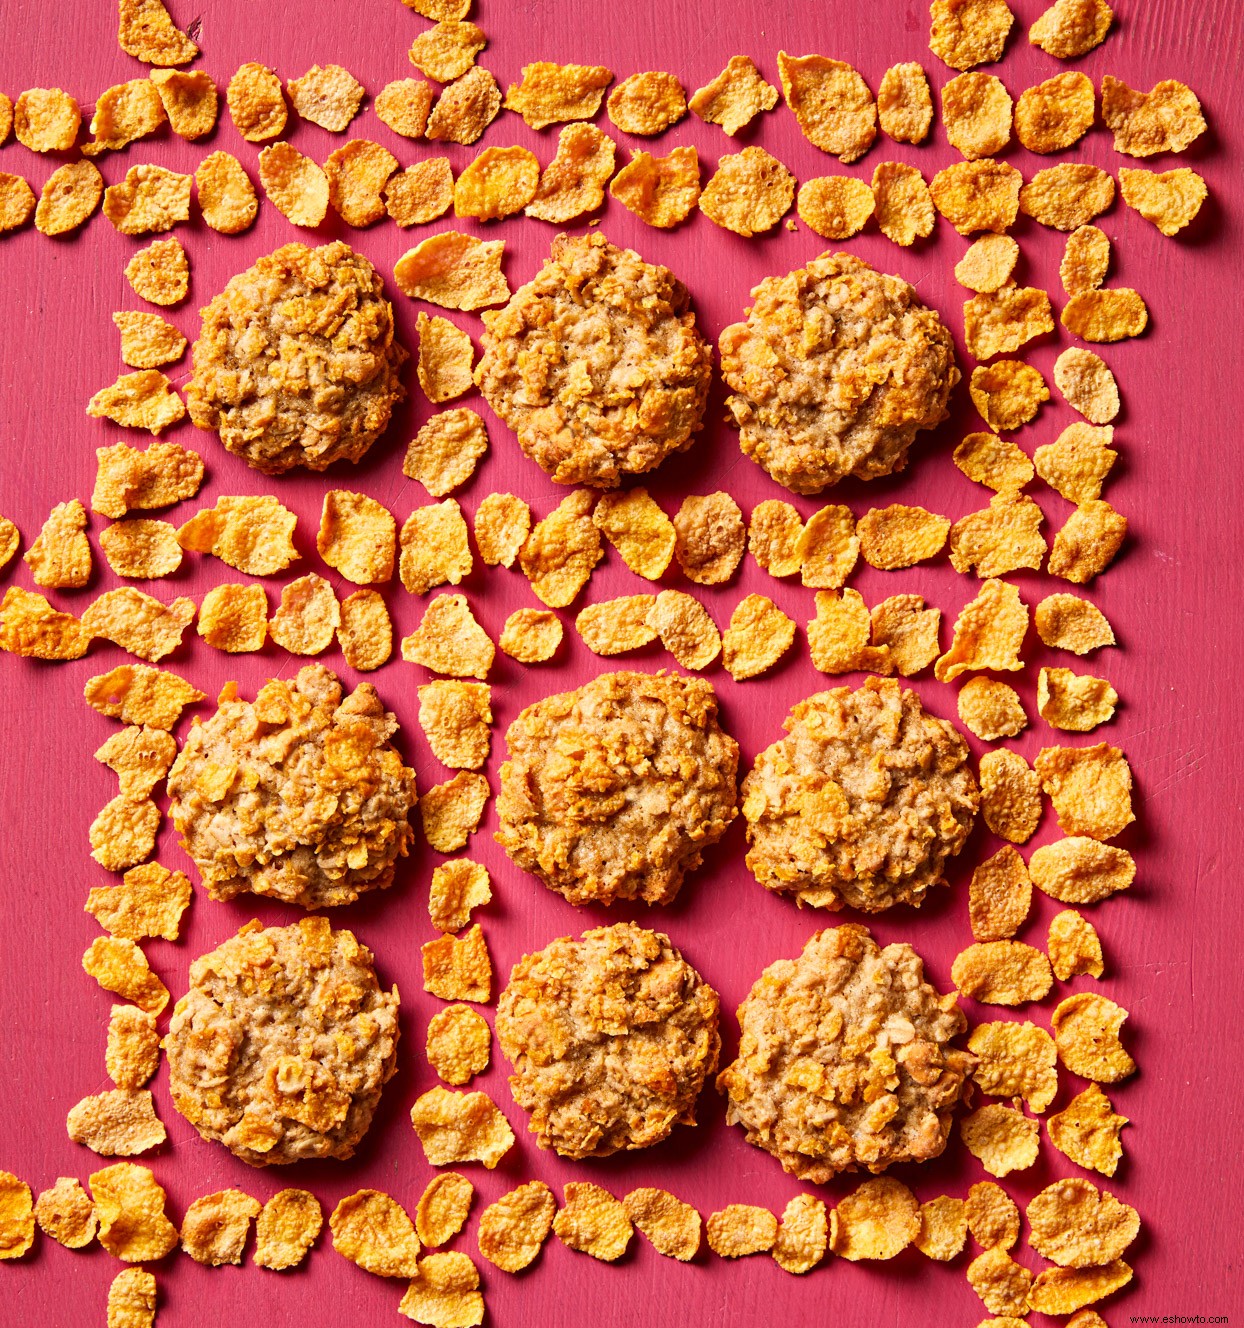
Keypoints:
pixel 296 363
pixel 836 369
pixel 844 1059
pixel 283 1042
pixel 862 802
pixel 614 790
pixel 298 795
pixel 596 364
pixel 611 1038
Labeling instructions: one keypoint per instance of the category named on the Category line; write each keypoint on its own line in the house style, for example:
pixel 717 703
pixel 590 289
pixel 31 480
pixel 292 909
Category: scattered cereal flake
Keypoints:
pixel 685 629
pixel 142 400
pixel 443 455
pixel 294 184
pixel 64 1211
pixel 160 273
pixel 139 548
pixel 773 537
pixel 17 202
pixel 129 1203
pixel 17 1220
pixel 1000 893
pixel 69 197
pixel 803 1234
pixel 1077 462
pixel 831 103
pixel 1015 1060
pixel 1011 805
pixel 455 718
pixel 465 108
pixel 124 832
pixel 512 1230
pixel 878 1220
pixel 445 356
pixel 123 114
pixel 1105 315
pixel 455 271
pixel 573 183
pixel 256 103
pixel 458 968
pixel 373 1230
pixel 1074 946
pixel 1086 259
pixel 828 547
pixel 460 1127
pixel 404 105
pixel 1166 119
pixel 434 545
pixel 327 95
pixel 458 1044
pixel 147 33
pixel 6 117
pixel 1079 870
pixel 992 1215
pixel 904 103
pixel 740 1229
pixel 531 636
pixel 136 694
pixel 758 636
pixel 118 965
pixel 1002 1138
pixel 150 198
pixel 661 191
pixel 365 633
pixel 1087 385
pixel 991 709
pixel 1090 787
pixel 593 1222
pixel 1007 393
pixel 10 541
pixel 1170 200
pixel 976 114
pixel 977 195
pixel 647 103
pixel 60 556
pixel 421 192
pixel 1064 1290
pixel 226 195
pixel 1087 1131
pixel 150 899
pixel 1055 114
pixel 1076 703
pixel 1000 538
pixel 898 536
pixel 357 536
pixel 132 1299
pixel 1068 622
pixel 497 183
pixel 749 193
pixel 147 341
pixel 943 1228
pixel 1067 196
pixel 444 1292
pixel 617 625
pixel 645 537
pixel 1074 1224
pixel 671 1225
pixel 120 1122
pixel 1002 321
pixel 835 206
pixel 46 120
pixel 1001 1283
pixel 443 1206
pixel 1086 1033
pixel 735 97
pixel 989 633
pixel 904 633
pixel 448 50
pixel 190 101
pixel 988 263
pixel 133 1052
pixel 1088 542
pixel 549 93
pixel 1071 28
pixel 286 1229
pixel 995 462
pixel 964 33
pixel 234 618
pixel 709 538
pixel 357 173
pixel 251 534
pixel 559 554
pixel 138 622
pixel 838 635
pixel 1002 973
pixel 440 11
pixel 450 641
pixel 29 626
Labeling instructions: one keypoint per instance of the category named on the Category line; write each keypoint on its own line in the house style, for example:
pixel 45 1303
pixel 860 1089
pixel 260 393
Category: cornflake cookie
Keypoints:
pixel 613 424
pixel 978 195
pixel 1087 1131
pixel 550 93
pixel 904 103
pixel 660 191
pixel 1071 28
pixel 821 829
pixel 593 773
pixel 584 1022
pixel 160 273
pixel 1001 1138
pixel 969 32
pixel 460 1127
pixel 877 1221
pixel 314 819
pixel 648 103
pixel 749 193
pixel 734 98
pixel 286 1229
pixel 1010 801
pixel 1166 119
pixel 443 455
pixel 260 1062
pixel 790 402
pixel 593 1222
pixel 513 1230
pixel 741 1229
pixel 831 103
pixel 1170 200
pixel 825 1028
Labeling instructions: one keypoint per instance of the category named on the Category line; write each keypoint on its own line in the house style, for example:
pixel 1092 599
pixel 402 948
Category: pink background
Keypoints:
pixel 1171 942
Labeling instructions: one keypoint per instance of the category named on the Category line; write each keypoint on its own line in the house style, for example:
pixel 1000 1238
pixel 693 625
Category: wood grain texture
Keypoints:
pixel 1171 943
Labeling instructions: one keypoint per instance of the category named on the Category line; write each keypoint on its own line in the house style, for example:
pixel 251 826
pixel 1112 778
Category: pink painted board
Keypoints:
pixel 1171 943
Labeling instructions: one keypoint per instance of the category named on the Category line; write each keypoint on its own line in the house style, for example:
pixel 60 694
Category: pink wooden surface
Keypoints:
pixel 1170 943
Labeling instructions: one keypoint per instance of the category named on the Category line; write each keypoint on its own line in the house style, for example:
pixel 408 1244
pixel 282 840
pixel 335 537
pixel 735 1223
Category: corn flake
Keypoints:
pixel 149 901
pixel 497 183
pixel 503 522
pixel 46 120
pixel 969 32
pixel 215 1227
pixel 139 622
pixel 123 114
pixel 831 104
pixel 828 547
pixel 749 193
pixel 672 1226
pixel 124 832
pixel 129 1204
pixel 1067 196
pixel 365 633
pixel 226 195
pixel 142 400
pixel 709 537
pixel 448 50
pixel 17 1221
pixel 988 263
pixel 373 1230
pixel 404 105
pixel 136 694
pixel 64 1211
pixel 119 965
pixel 1076 703
pixel 835 206
pixel 877 1221
pixel 1002 973
pixel 10 541
pixel 286 1229
pixel 531 636
pixel 773 537
pixel 460 1127
pixel 440 11
pixel 465 108
pixel 294 184
pixel 977 195
pixel 443 1206
pixel 1166 119
pixel 1074 946
pixel 573 183
pixel 458 969
pixel 147 33
pixel 189 99
pixel 904 635
pixel 68 199
pixel 617 625
pixel 1001 1283
pixel 146 549
pixel 741 1229
pixel 660 191
pixel 17 202
pixel 943 1228
pixel 1007 393
pixel 1077 462
pixel 357 173
pixel 1071 28
pixel 549 93
pixel 147 341
pixel 1002 321
pixel 1015 1060
pixel 234 618
pixel 450 641
pixel 455 717
pixel 451 811
pixel 1086 1033
pixel 357 536
pixel 458 1044
pixel 29 626
pixel 1068 622
pixel 735 97
pixel 989 633
pixel 454 271
pixel 559 554
pixel 645 537
pixel 1087 1131
pixel 838 635
pixel 255 102
pixel 443 455
pixel 513 1230
pixel 132 1055
pixel 685 629
pixel 897 536
pixel 150 198
pixel 1170 200
pixel 159 273
pixel 976 114
pixel 1087 385
pixel 434 544
pixel 1011 806
pixel 1001 1138
pixel 991 709
pixel 758 635
pixel 444 1293
pixel 992 1217
pixel 60 556
pixel 648 103
pixel 1105 315
pixel 1090 787
pixel 1086 259
pixel 593 1222
pixel 1074 1224
pixel 1079 870
pixel 132 1299
pixel 1053 115
pixel 251 534
pixel 1001 538
pixel 1064 1290
pixel 904 103
pixel 1000 893
pixel 327 95
pixel 6 117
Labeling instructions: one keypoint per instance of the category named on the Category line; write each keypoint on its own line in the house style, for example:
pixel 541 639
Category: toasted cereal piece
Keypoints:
pixel 1011 806
pixel 17 202
pixel 904 635
pixel 119 965
pixel 373 1230
pixel 773 537
pixel 1001 1283
pixel 685 629
pixel 617 625
pixel 749 193
pixel 943 1228
pixel 803 1234
pixel 124 832
pixel 735 97
pixel 458 969
pixel 1170 200
pixel 434 544
pixel 420 193
pixel 458 1044
pixel 531 636
pixel 648 103
pixel 142 400
pixel 661 191
pixel 226 194
pixel 120 1122
pixel 60 556
pixel 904 104
pixel 124 114
pixel 6 117
pixel 136 694
pixel 969 32
pixel 1002 1138
pixel 1007 393
pixel 573 183
pixel 46 120
pixel 1079 870
pixel 1086 1033
pixel 646 538
pixel 1087 1131
pixel 1067 196
pixel 977 195
pixel 502 522
pixel 1054 115
pixel 838 635
pixel 514 1228
pixel 1077 462
pixel 365 633
pixel 992 1216
pixel 443 455
pixel 559 554
pixel 234 618
pixel 357 536
pixel 150 198
pixel 835 206
pixel 1002 321
pixel 357 173
pixel 10 541
pixel 1015 1060
pixel 64 1211
pixel 139 623
pixel 216 1226
pixel 831 104
pixel 465 108
pixel 593 1222
pixel 129 1204
pixel 1074 946
pixel 1071 28
pixel 132 1293
pixel 1166 119
pixel 150 899
pixel 440 11
pixel 1000 893
pixel 671 1225
pixel 256 104
pixel 1074 1224
pixel 133 1052
pixel 999 539
pixel 878 1220
pixel 147 341
pixel 17 1221
pixel 1088 542
pixel 1064 1290
pixel 989 633
pixel 741 1229
pixel 190 101
pixel 1086 259
pixel 1090 787
pixel 460 1127
pixel 294 184
pixel 1068 622
pixel 1087 385
pixel 988 263
pixel 1105 315
pixel 1076 703
pixel 758 636
pixel 451 811
pixel 549 93
pixel 998 463
pixel 327 95
pixel 898 536
pixel 445 356
pixel 976 114
pixel 496 183
pixel 404 105
pixel 828 547
pixel 69 198
pixel 444 1291
pixel 160 273
pixel 455 718
pixel 307 618
pixel 443 1207
pixel 29 626
pixel 991 709
pixel 147 33
pixel 455 271
pixel 1002 973
pixel 709 538
pixel 286 1229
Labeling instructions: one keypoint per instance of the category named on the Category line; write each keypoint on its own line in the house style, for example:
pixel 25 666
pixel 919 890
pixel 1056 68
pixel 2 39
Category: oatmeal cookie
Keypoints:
pixel 282 1044
pixel 611 1038
pixel 844 1059
pixel 296 363
pixel 862 803
pixel 834 372
pixel 298 795
pixel 596 364
pixel 614 790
